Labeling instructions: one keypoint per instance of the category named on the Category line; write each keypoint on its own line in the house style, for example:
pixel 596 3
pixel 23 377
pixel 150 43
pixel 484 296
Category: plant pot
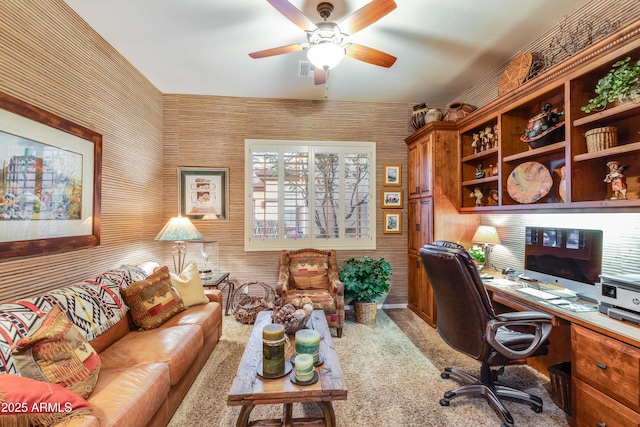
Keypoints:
pixel 366 312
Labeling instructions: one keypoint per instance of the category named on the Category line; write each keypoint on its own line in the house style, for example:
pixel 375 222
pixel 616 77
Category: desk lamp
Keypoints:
pixel 487 236
pixel 178 230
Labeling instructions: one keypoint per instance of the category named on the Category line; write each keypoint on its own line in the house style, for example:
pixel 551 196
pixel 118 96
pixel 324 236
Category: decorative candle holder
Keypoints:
pixel 273 349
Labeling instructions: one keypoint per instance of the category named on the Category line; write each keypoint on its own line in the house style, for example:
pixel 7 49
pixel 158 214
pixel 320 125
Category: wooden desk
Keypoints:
pixel 604 354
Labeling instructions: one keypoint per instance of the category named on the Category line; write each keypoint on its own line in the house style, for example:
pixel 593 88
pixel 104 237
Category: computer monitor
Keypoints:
pixel 568 257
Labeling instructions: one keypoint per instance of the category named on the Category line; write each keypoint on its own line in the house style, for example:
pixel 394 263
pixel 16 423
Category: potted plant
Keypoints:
pixel 365 280
pixel 477 254
pixel 621 82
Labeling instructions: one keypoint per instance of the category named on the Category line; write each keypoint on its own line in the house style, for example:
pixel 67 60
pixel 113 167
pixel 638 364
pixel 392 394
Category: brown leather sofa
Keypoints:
pixel 144 375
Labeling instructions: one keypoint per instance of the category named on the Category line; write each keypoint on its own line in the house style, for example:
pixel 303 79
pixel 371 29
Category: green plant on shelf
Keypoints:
pixel 477 253
pixel 620 82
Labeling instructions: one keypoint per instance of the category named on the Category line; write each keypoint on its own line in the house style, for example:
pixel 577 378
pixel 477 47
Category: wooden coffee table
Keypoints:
pixel 250 389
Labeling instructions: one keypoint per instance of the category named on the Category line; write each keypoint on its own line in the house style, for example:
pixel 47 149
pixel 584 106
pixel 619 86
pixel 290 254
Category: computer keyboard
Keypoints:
pixel 537 293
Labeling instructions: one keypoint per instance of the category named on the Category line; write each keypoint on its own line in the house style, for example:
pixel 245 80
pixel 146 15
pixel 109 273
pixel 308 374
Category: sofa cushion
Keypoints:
pixel 25 401
pixel 153 300
pixel 189 285
pixel 177 346
pixel 207 316
pixel 56 351
pixel 130 395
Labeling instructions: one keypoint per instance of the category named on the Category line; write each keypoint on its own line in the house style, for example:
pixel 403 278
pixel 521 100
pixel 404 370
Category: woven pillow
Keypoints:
pixel 311 281
pixel 189 285
pixel 153 301
pixel 28 402
pixel 56 351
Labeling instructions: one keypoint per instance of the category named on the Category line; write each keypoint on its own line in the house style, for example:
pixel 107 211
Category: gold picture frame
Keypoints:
pixel 392 175
pixel 392 222
pixel 392 199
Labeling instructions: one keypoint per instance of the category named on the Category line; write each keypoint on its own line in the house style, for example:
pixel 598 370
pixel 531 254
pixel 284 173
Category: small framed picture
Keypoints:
pixel 392 175
pixel 392 222
pixel 391 199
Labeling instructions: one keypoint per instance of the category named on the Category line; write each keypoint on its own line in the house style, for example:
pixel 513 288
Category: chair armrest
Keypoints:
pixel 524 315
pixel 337 287
pixel 539 322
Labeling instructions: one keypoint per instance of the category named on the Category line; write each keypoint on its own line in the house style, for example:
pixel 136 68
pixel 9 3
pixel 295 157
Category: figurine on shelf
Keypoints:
pixel 617 179
pixel 481 143
pixel 493 198
pixel 495 136
pixel 476 143
pixel 488 137
pixel 479 172
pixel 477 194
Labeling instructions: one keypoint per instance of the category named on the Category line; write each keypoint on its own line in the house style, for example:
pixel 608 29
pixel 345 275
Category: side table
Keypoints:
pixel 215 282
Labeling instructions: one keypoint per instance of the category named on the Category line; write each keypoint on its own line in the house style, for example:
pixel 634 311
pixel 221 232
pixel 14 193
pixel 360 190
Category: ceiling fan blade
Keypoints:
pixel 370 55
pixel 293 14
pixel 366 15
pixel 277 51
pixel 319 76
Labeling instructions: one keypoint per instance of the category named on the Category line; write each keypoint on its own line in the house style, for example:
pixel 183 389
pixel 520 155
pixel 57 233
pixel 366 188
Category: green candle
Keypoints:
pixel 308 342
pixel 304 367
pixel 273 349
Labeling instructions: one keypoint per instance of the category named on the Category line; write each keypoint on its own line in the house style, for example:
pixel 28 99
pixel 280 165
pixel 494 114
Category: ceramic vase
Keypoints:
pixel 418 116
pixel 433 115
pixel 457 111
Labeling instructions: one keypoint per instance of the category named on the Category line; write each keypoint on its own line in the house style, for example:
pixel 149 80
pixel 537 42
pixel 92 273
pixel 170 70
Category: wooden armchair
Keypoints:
pixel 313 273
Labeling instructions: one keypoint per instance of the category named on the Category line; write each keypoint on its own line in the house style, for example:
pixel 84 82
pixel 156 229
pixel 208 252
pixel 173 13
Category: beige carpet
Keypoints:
pixel 392 371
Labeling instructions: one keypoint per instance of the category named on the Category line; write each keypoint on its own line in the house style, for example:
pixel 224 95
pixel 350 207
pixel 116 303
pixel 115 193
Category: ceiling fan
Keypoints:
pixel 328 42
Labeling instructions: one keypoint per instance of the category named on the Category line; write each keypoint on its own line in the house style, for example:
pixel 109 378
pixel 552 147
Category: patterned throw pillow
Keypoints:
pixel 28 402
pixel 312 281
pixel 56 351
pixel 153 301
pixel 189 285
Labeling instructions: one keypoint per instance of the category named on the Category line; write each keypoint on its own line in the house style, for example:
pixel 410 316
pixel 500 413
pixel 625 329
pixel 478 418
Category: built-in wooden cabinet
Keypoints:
pixel 606 380
pixel 433 206
pixel 577 175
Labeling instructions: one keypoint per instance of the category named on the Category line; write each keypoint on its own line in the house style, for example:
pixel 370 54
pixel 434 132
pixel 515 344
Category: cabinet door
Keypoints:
pixel 425 223
pixel 426 163
pixel 413 173
pixel 421 299
pixel 413 229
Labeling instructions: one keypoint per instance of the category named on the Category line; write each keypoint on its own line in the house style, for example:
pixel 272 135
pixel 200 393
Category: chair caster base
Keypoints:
pixel 444 402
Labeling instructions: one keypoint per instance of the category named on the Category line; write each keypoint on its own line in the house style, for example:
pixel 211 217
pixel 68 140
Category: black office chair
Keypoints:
pixel 467 322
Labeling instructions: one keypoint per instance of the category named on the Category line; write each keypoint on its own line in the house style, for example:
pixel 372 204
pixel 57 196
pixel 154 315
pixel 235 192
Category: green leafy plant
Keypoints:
pixel 621 80
pixel 365 279
pixel 477 253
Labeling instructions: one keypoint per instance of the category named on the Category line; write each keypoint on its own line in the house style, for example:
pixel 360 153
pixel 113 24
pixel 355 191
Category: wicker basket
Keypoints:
pixel 366 312
pixel 250 299
pixel 601 138
pixel 560 376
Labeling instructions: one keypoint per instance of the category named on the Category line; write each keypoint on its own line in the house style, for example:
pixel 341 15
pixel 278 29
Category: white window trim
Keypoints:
pixel 250 244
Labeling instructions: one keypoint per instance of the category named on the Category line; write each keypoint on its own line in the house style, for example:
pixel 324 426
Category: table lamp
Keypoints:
pixel 178 230
pixel 487 236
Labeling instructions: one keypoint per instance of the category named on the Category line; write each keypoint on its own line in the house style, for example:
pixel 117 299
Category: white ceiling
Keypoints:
pixel 202 46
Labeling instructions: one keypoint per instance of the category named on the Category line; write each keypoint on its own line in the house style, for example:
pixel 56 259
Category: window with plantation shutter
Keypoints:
pixel 303 194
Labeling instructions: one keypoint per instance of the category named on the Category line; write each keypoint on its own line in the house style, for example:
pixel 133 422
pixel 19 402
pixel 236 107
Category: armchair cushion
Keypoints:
pixel 311 281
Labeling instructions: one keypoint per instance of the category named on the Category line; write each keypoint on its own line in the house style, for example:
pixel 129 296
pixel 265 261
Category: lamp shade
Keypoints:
pixel 486 234
pixel 179 229
pixel 325 54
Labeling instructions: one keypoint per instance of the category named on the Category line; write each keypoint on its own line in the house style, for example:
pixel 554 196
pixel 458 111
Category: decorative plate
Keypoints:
pixel 529 182
pixel 313 380
pixel 288 367
pixel 515 73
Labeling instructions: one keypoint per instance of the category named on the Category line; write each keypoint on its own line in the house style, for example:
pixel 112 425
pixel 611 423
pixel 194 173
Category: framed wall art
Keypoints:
pixel 392 175
pixel 50 185
pixel 391 199
pixel 204 193
pixel 392 222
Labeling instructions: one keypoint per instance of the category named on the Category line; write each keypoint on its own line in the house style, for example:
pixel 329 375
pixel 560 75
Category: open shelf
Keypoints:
pixel 537 152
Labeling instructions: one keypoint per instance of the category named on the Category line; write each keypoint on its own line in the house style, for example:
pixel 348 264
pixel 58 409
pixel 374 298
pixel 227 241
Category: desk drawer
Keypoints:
pixel 592 408
pixel 608 365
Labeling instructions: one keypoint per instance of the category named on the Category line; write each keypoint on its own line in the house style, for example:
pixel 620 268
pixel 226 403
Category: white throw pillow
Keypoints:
pixel 189 285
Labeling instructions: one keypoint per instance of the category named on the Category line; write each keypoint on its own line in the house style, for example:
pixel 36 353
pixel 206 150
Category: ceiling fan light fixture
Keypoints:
pixel 325 54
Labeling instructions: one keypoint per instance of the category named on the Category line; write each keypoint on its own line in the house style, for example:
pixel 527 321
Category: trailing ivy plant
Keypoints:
pixel 621 81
